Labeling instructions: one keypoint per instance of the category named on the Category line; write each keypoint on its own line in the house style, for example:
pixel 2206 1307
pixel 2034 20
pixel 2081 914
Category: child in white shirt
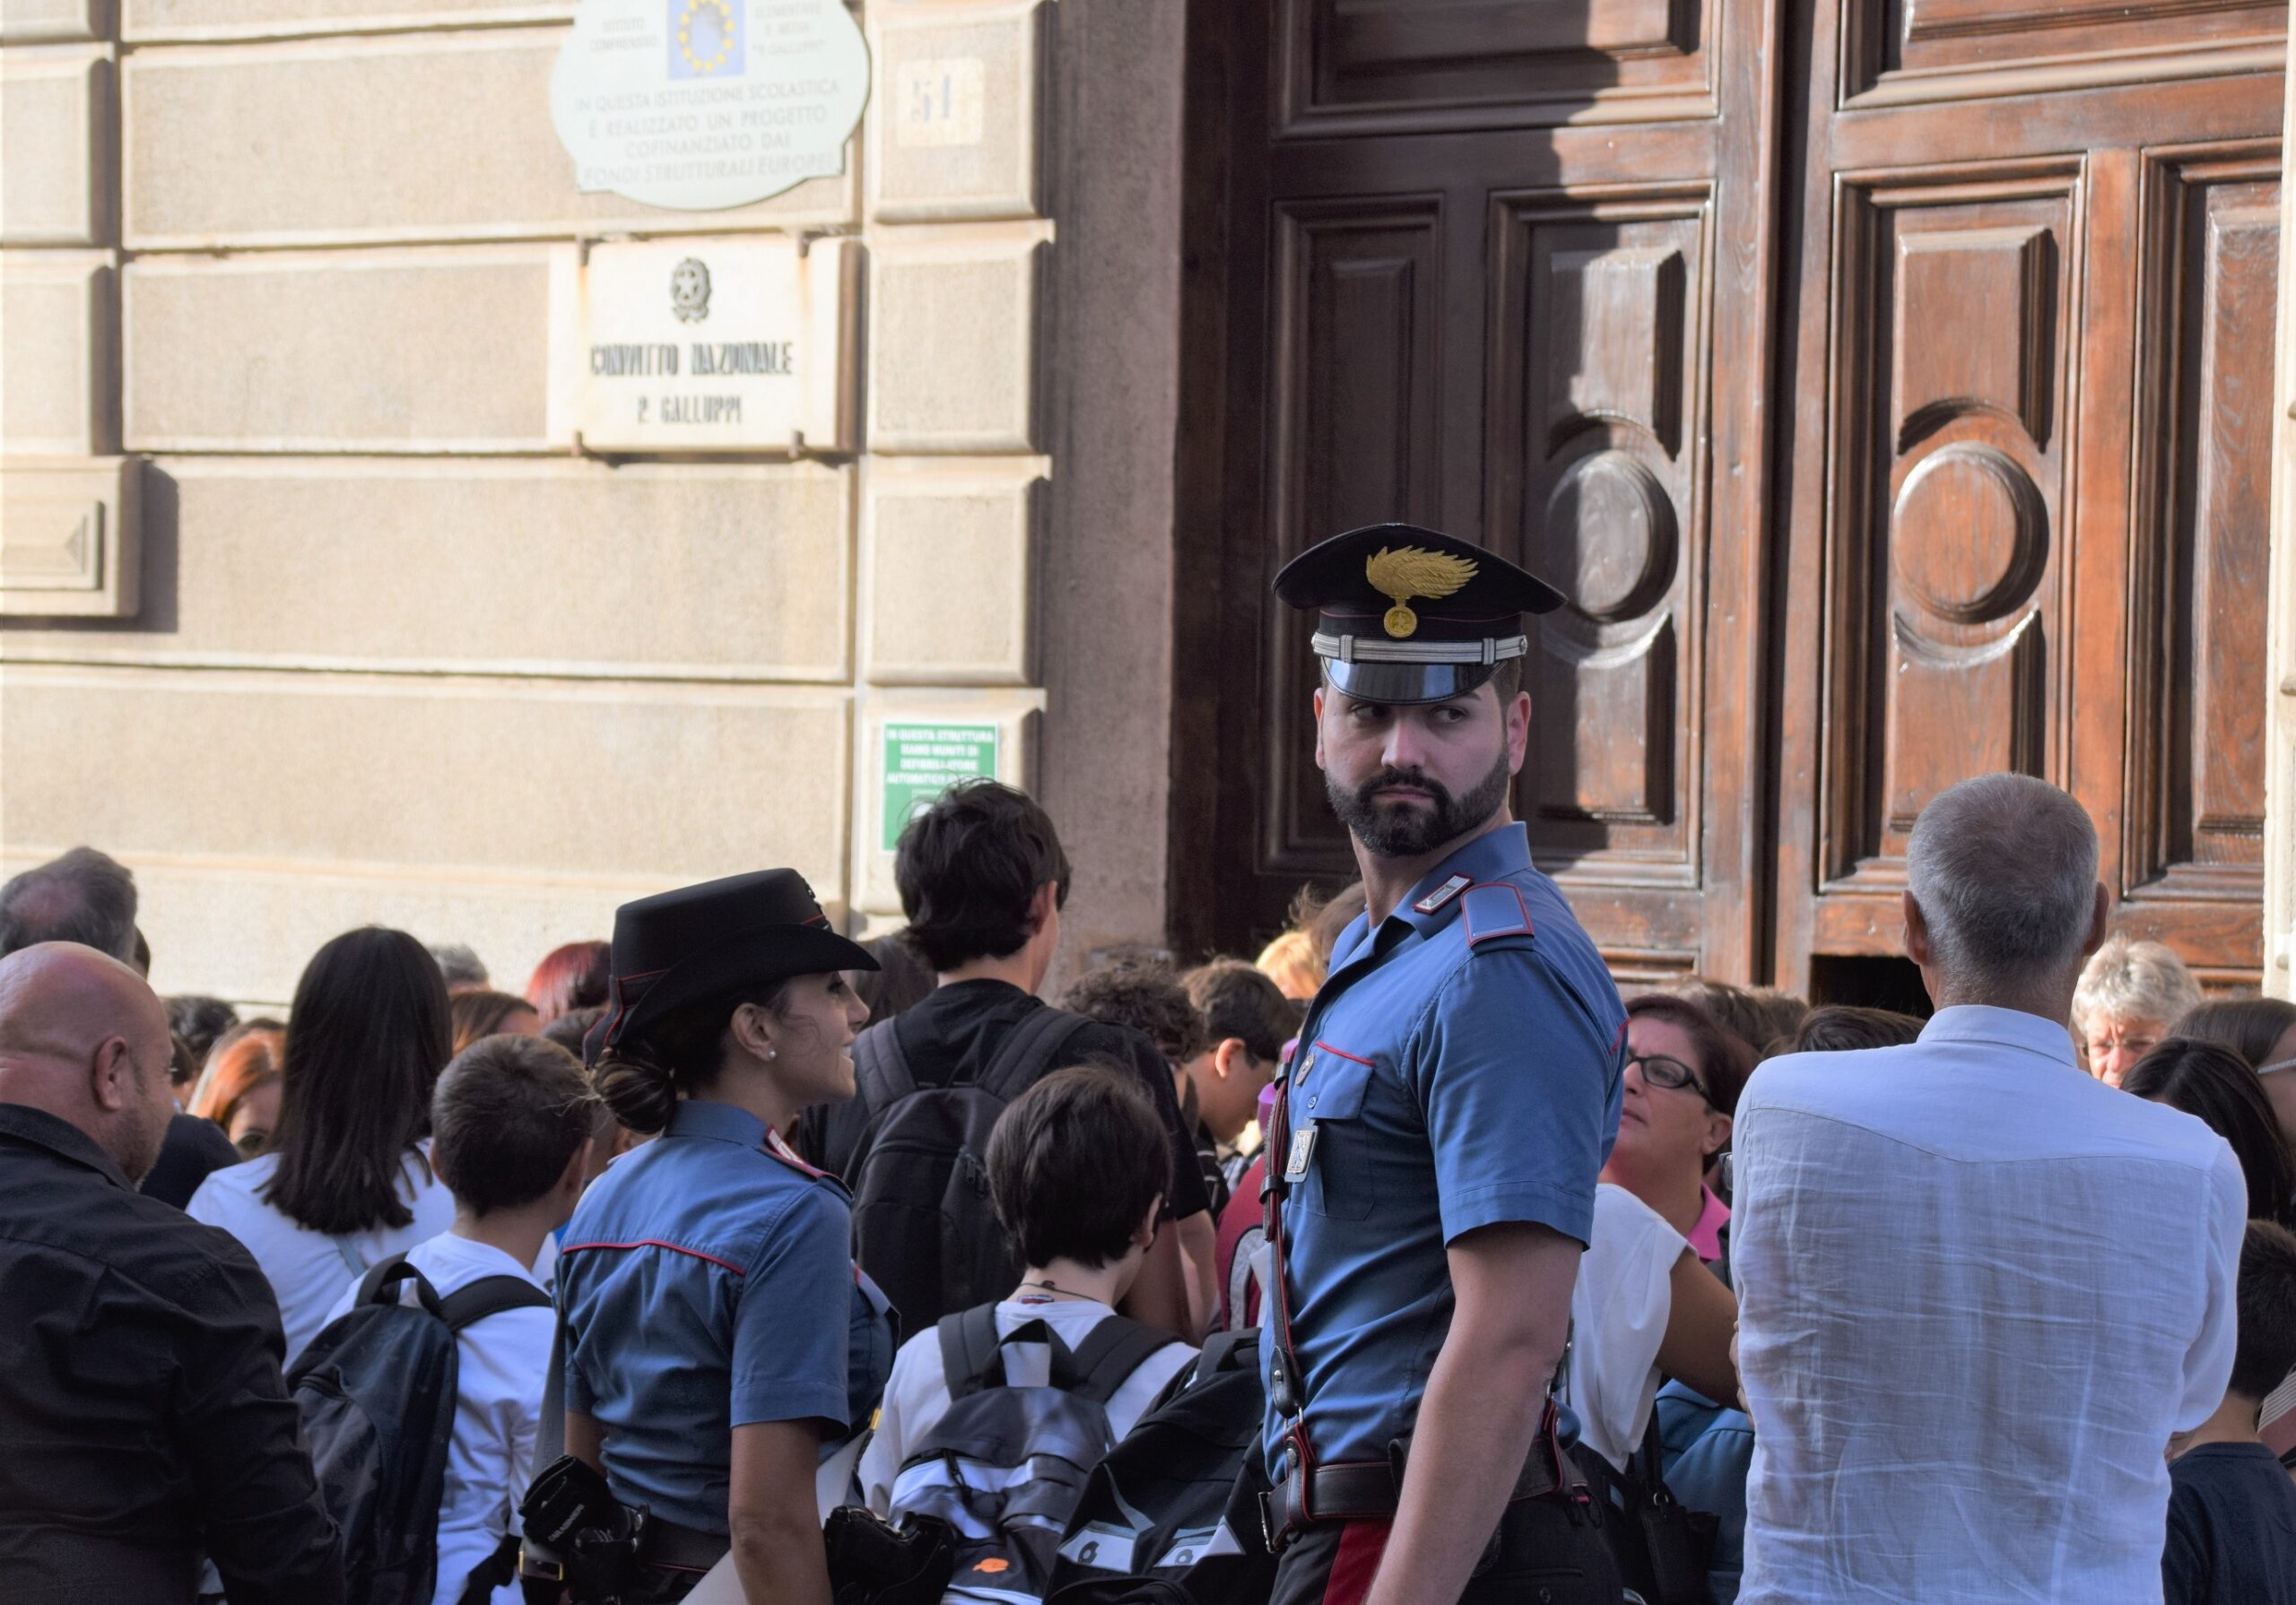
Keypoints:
pixel 1078 1166
pixel 510 1134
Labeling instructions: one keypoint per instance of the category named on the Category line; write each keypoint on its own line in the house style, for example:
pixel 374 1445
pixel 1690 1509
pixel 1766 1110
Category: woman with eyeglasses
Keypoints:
pixel 2262 1031
pixel 1645 1303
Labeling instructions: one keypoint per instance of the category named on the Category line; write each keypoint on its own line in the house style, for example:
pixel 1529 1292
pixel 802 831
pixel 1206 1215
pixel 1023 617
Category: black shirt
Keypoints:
pixel 954 1032
pixel 194 1149
pixel 2231 1528
pixel 142 1412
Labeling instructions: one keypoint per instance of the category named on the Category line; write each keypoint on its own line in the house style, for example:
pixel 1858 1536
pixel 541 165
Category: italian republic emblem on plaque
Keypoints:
pixel 690 290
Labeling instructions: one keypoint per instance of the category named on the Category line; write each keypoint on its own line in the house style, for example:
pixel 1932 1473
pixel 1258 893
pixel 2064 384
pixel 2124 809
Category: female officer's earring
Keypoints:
pixel 770 1052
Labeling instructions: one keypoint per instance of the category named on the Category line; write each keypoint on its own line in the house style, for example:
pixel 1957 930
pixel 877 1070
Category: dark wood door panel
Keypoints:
pixel 1356 436
pixel 1944 615
pixel 1597 414
pixel 2194 814
pixel 1394 65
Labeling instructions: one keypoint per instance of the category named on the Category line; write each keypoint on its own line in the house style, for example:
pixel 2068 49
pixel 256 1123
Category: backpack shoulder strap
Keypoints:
pixel 969 1348
pixel 881 1072
pixel 1029 1050
pixel 490 1296
pixel 1117 1347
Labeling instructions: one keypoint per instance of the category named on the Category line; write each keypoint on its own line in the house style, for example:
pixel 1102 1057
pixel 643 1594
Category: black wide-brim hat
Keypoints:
pixel 1406 614
pixel 699 942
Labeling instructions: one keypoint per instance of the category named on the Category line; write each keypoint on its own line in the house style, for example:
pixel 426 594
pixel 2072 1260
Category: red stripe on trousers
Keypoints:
pixel 1356 1562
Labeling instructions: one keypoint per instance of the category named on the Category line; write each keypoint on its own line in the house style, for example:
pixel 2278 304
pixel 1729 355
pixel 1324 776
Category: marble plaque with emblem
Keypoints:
pixel 704 105
pixel 741 345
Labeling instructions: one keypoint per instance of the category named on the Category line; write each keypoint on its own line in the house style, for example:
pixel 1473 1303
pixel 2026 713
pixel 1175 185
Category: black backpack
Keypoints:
pixel 376 1390
pixel 1005 1466
pixel 1159 1520
pixel 924 1227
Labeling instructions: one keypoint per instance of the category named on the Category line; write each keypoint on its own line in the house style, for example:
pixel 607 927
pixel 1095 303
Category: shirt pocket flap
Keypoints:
pixel 1334 1088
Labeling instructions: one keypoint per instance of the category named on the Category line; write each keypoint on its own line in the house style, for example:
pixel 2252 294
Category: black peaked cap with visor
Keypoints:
pixel 699 942
pixel 1408 615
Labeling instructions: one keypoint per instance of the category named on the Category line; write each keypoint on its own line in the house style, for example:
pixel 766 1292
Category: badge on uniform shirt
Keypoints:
pixel 1304 1149
pixel 1442 894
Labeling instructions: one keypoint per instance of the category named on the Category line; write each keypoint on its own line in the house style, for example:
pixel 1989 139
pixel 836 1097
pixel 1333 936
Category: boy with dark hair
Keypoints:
pixel 510 1128
pixel 2231 1508
pixel 1078 1167
pixel 982 879
pixel 1147 998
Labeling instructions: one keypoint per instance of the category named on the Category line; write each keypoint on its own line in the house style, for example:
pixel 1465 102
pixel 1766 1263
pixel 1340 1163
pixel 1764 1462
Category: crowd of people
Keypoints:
pixel 1416 1258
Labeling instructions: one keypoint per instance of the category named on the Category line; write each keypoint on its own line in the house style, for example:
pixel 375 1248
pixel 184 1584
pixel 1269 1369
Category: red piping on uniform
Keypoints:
pixel 656 1243
pixel 1343 1052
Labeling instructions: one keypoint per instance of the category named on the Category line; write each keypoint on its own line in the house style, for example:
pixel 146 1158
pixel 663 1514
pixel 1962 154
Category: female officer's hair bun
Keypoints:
pixel 640 1089
pixel 639 1079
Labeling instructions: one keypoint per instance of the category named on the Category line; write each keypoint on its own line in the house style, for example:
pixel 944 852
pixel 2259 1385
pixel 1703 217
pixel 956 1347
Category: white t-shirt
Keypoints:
pixel 917 1396
pixel 1618 1318
pixel 501 1363
pixel 306 1270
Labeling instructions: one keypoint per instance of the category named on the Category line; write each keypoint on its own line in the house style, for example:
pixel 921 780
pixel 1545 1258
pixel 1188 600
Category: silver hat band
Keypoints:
pixel 1370 649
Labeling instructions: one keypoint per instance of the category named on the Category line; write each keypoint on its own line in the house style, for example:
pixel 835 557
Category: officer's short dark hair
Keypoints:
pixel 1073 1164
pixel 1235 1000
pixel 968 868
pixel 1147 997
pixel 507 1116
pixel 2264 1352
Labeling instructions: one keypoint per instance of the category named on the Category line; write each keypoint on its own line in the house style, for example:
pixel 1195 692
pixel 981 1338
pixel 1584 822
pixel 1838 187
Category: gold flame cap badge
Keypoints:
pixel 1404 572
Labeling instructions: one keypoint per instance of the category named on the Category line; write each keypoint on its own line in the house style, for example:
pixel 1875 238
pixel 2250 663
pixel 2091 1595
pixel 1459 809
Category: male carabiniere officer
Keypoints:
pixel 1456 1090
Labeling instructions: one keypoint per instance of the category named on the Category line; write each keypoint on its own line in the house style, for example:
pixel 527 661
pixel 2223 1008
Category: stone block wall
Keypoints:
pixel 399 651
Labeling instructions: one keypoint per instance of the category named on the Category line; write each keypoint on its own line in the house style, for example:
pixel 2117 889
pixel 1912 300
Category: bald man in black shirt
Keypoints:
pixel 141 1402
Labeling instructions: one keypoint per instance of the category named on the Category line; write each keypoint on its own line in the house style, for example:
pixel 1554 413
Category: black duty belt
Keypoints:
pixel 685 1548
pixel 1370 1491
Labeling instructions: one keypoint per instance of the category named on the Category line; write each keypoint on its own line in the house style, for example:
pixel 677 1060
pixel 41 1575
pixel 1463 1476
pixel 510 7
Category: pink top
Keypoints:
pixel 1706 1236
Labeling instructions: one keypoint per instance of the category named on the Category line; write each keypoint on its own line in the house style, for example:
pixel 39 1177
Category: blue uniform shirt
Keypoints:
pixel 708 1284
pixel 1449 1083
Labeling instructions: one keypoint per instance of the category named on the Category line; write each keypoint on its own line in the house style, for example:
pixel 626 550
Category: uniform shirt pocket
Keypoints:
pixel 1338 1183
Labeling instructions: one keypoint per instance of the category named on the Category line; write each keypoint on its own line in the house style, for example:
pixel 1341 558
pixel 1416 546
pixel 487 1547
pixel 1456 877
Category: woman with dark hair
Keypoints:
pixel 716 1334
pixel 473 1016
pixel 1645 1303
pixel 570 978
pixel 347 1180
pixel 2216 1084
pixel 2262 1031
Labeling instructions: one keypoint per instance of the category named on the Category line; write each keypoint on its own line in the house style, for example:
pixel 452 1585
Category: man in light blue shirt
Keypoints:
pixel 1456 1089
pixel 1977 1290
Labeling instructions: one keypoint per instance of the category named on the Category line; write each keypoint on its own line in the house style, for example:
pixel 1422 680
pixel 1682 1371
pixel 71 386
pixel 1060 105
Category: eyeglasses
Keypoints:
pixel 2266 1069
pixel 1669 1075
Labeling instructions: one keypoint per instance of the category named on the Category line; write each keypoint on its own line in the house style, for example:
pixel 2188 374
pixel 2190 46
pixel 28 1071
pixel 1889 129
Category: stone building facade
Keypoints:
pixel 277 306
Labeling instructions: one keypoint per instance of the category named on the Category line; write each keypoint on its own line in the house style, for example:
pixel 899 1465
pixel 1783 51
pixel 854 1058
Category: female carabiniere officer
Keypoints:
pixel 706 1280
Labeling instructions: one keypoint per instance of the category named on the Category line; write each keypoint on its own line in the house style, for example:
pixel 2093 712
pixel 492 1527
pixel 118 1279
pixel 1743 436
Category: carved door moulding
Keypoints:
pixel 1908 52
pixel 2193 819
pixel 1394 67
pixel 1944 613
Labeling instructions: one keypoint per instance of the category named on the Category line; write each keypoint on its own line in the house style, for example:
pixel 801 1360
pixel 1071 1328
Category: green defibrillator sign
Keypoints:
pixel 921 761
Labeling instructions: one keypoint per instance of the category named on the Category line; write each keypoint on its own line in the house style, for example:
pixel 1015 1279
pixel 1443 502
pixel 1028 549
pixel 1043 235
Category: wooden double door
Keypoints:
pixel 1887 383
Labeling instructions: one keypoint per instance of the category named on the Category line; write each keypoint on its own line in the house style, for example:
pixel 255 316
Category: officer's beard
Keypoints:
pixel 1409 829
